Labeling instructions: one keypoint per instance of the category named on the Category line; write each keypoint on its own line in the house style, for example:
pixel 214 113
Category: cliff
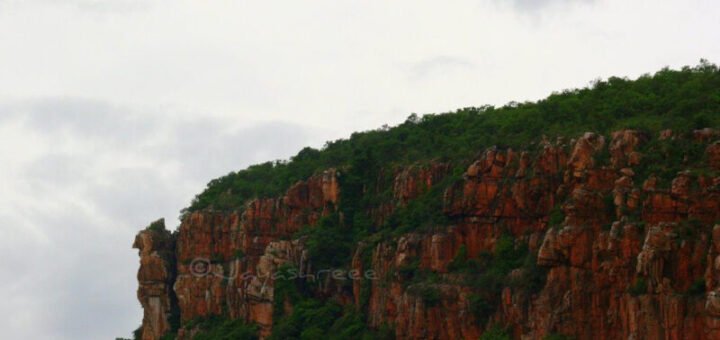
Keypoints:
pixel 510 222
pixel 156 276
pixel 579 238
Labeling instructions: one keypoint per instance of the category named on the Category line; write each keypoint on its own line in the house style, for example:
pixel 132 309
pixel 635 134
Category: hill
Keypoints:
pixel 593 213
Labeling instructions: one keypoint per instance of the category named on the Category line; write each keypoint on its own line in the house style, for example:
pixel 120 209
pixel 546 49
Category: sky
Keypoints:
pixel 114 113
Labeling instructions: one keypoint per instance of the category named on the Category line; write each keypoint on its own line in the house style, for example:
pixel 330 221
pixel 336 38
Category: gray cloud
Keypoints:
pixel 99 174
pixel 215 148
pixel 83 117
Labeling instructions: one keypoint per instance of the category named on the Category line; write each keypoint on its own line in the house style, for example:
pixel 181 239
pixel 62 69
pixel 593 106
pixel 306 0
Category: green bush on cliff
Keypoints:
pixel 665 158
pixel 220 328
pixel 697 288
pixel 423 212
pixel 640 287
pixel 314 319
pixel 557 336
pixel 495 333
pixel 460 260
pixel 329 243
pixel 556 217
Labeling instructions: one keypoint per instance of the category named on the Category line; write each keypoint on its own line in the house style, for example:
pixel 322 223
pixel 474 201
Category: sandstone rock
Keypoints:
pixel 622 148
pixel 681 185
pixel 704 135
pixel 651 183
pixel 582 154
pixel 415 180
pixel 713 155
pixel 155 276
pixel 659 242
pixel 627 172
pixel 712 304
pixel 666 134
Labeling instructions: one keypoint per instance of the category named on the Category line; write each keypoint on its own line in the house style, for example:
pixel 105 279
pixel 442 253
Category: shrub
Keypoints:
pixel 482 307
pixel 430 295
pixel 329 243
pixel 216 328
pixel 640 287
pixel 137 333
pixel 408 271
pixel 697 288
pixel 459 261
pixel 556 217
pixel 533 276
pixel 157 226
pixel 495 333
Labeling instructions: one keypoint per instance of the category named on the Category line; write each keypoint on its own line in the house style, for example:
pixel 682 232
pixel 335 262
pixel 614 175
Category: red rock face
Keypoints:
pixel 233 250
pixel 408 184
pixel 155 278
pixel 413 318
pixel 415 180
pixel 591 269
pixel 624 260
pixel 622 148
pixel 704 135
pixel 713 155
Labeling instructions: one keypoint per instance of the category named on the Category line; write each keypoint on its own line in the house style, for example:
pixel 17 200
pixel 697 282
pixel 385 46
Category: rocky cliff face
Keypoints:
pixel 608 249
pixel 224 260
pixel 155 278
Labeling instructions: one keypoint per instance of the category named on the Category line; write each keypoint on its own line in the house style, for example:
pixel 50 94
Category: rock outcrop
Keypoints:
pixel 222 257
pixel 155 278
pixel 607 250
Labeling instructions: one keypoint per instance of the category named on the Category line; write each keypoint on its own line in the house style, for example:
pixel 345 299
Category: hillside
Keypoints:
pixel 594 213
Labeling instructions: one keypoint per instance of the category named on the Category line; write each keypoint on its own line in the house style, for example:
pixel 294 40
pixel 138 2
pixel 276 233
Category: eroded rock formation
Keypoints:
pixel 623 255
pixel 155 278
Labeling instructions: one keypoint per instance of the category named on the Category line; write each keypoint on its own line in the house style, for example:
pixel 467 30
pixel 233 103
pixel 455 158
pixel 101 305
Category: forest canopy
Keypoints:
pixel 681 100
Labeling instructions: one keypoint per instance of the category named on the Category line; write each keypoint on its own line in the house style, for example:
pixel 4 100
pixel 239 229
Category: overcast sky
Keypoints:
pixel 114 113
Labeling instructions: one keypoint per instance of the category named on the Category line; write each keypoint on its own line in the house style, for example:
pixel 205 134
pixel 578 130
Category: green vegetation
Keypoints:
pixel 533 276
pixel 490 275
pixel 217 328
pixel 429 294
pixel 314 319
pixel 329 242
pixel 424 212
pixel 640 287
pixel 157 226
pixel 309 318
pixel 697 288
pixel 669 99
pixel 556 217
pixel 495 333
pixel 666 158
pixel 460 260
